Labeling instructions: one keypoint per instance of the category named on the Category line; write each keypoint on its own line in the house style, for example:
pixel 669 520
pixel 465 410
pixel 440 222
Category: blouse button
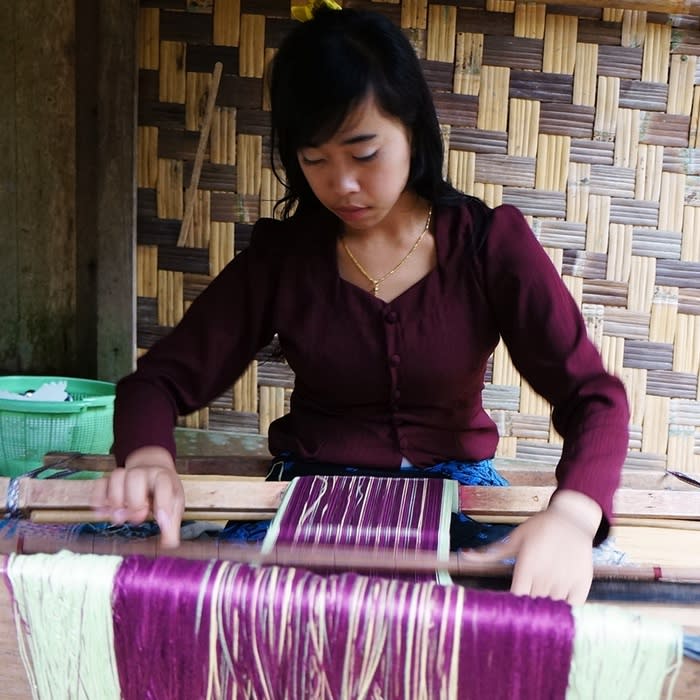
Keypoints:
pixel 395 360
pixel 391 317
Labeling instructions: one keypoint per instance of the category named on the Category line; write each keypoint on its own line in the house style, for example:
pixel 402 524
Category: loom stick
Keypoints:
pixel 666 523
pixel 57 516
pixel 199 156
pixel 323 557
pixel 201 493
pixel 630 503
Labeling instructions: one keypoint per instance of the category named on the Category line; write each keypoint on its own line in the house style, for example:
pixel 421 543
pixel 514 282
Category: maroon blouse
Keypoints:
pixel 375 381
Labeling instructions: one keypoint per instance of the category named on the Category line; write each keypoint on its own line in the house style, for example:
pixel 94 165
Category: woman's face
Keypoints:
pixel 360 173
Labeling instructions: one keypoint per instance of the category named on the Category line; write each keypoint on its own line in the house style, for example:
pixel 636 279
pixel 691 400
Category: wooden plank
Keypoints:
pixel 480 501
pixel 116 194
pixel 201 494
pixel 677 7
pixel 9 265
pixel 46 176
pixel 87 115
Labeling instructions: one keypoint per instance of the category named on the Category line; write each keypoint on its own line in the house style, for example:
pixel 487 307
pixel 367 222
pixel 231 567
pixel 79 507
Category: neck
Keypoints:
pixel 408 216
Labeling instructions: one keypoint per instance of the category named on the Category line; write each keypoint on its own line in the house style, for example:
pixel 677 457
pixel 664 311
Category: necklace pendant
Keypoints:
pixel 375 288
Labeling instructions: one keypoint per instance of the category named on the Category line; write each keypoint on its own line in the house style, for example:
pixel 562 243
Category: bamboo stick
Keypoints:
pixel 199 156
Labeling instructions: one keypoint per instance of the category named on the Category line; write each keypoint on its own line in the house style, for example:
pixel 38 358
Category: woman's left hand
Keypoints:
pixel 552 549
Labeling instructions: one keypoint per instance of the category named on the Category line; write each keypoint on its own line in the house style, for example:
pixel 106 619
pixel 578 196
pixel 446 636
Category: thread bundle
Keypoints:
pixel 220 630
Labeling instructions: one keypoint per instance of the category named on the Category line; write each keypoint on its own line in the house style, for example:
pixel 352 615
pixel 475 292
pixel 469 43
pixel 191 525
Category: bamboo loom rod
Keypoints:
pixel 191 193
pixel 211 494
pixel 318 557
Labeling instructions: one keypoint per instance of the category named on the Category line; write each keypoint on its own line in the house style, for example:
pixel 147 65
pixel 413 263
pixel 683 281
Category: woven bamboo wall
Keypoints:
pixel 585 118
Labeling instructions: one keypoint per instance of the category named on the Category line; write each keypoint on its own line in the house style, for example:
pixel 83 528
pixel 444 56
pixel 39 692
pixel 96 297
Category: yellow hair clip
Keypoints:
pixel 306 12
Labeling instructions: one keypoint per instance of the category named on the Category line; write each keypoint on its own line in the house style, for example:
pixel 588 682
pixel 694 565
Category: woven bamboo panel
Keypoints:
pixel 585 117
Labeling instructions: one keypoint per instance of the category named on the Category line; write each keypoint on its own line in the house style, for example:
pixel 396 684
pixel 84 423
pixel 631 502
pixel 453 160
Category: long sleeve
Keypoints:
pixel 204 354
pixel 546 336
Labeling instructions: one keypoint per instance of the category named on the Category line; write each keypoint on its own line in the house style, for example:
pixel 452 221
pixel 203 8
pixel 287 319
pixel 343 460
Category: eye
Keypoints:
pixel 306 160
pixel 367 158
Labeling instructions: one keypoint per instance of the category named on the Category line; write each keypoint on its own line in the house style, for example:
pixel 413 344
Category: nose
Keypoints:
pixel 344 180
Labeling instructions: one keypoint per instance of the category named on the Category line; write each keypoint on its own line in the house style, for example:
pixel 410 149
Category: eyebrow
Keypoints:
pixel 359 138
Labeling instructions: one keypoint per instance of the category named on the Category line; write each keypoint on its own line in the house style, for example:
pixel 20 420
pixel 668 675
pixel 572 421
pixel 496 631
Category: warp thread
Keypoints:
pixel 274 632
pixel 222 630
pixel 63 617
pixel 396 516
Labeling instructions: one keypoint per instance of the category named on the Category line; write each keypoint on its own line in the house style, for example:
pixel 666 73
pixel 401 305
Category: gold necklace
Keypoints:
pixel 376 282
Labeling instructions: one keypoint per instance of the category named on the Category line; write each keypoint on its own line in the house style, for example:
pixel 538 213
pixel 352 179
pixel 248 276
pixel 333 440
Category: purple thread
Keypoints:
pixel 364 512
pixel 160 653
pixel 511 647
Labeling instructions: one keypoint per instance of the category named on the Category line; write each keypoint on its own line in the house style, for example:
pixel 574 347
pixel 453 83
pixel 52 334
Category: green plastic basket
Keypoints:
pixel 30 429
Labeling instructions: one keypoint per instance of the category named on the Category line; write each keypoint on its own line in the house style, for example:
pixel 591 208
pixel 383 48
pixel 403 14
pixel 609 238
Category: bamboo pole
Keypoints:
pixel 199 156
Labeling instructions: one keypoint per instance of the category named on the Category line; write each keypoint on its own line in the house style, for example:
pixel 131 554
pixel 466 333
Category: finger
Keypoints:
pixel 114 506
pixel 98 495
pixel 556 590
pixel 522 581
pixel 504 549
pixel 136 496
pixel 168 505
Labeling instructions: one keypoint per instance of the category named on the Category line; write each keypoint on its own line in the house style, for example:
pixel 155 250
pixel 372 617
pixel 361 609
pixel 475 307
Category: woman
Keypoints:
pixel 388 290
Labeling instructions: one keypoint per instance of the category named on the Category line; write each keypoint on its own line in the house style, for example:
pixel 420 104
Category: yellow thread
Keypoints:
pixel 622 655
pixel 66 598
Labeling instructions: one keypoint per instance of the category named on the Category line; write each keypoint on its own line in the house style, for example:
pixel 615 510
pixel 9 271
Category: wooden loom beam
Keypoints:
pixel 254 498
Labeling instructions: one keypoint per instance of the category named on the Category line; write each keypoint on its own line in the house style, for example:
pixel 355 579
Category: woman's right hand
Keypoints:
pixel 148 483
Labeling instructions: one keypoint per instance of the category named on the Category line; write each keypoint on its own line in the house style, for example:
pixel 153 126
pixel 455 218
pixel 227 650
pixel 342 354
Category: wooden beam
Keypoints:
pixel 671 7
pixel 219 493
pixel 116 189
pixel 9 263
pixel 46 194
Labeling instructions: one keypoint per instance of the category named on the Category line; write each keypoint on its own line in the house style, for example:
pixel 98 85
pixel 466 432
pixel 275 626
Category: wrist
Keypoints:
pixel 578 509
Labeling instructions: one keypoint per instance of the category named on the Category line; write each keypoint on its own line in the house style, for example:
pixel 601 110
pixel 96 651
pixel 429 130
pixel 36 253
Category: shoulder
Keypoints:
pixel 463 221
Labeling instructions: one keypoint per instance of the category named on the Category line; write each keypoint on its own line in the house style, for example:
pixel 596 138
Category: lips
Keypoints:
pixel 351 213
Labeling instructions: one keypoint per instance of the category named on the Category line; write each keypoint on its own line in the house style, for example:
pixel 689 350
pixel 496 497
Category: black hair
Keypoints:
pixel 327 66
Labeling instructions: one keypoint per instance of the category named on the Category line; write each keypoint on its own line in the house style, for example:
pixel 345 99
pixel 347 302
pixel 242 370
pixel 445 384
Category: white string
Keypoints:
pixel 622 655
pixel 63 616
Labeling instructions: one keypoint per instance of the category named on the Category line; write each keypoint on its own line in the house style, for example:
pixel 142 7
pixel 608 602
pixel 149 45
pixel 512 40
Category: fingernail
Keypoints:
pixel 119 515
